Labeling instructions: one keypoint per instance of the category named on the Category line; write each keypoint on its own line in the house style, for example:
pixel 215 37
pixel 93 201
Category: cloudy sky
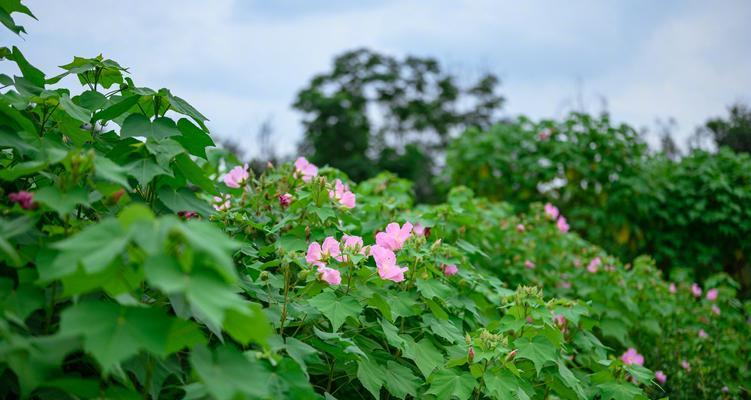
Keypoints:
pixel 242 62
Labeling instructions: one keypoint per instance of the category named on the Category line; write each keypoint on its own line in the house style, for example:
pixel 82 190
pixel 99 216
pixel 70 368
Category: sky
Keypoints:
pixel 241 62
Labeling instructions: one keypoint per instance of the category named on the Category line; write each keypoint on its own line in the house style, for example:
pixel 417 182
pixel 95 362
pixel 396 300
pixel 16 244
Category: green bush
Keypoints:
pixel 690 214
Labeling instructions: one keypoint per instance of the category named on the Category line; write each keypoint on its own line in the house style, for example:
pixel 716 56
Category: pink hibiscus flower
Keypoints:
pixel 329 275
pixel 342 194
pixel 285 199
pixel 562 224
pixel 305 169
pixel 661 377
pixel 319 254
pixel 23 198
pixel 394 236
pixel 712 294
pixel 237 176
pixel 386 262
pixel 631 356
pixel 695 290
pixel 594 265
pixel 450 270
pixel 551 211
pixel 529 264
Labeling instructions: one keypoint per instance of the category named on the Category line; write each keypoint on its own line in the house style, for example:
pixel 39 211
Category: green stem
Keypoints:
pixel 283 318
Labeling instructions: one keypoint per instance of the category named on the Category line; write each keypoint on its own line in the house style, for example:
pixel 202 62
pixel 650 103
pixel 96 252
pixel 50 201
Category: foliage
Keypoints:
pixel 688 213
pixel 631 304
pixel 375 112
pixel 733 132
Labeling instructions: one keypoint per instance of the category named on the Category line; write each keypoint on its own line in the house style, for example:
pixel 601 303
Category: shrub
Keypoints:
pixel 688 214
pixel 120 280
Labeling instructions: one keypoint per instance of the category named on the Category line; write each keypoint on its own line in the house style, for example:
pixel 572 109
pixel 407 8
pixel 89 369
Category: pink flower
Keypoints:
pixel 685 365
pixel 222 203
pixel 305 169
pixel 342 194
pixel 661 377
pixel 632 357
pixel 318 254
pixel 703 334
pixel 562 225
pixel 565 285
pixel 237 176
pixel 551 211
pixel 187 214
pixel 715 310
pixel 544 134
pixel 354 244
pixel 450 270
pixel 394 237
pixel 725 389
pixel 386 262
pixel 695 290
pixel 712 294
pixel 421 230
pixel 529 264
pixel 329 275
pixel 23 198
pixel 520 228
pixel 559 319
pixel 594 265
pixel 672 288
pixel 285 199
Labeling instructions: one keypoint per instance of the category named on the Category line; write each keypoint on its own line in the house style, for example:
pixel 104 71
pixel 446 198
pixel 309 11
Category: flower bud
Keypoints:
pixel 471 355
pixel 264 276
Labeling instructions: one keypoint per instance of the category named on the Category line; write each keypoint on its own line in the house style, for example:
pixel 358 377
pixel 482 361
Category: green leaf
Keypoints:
pixel 229 374
pixel 207 238
pixel 138 125
pixel 433 288
pixel 195 174
pixel 117 109
pixel 619 391
pixel 370 375
pixel 106 169
pixel 392 334
pixel 443 328
pixel 193 138
pixel 183 200
pixel 62 202
pixel 539 350
pixel 424 354
pixel 399 380
pixel 336 309
pixel 113 333
pixel 301 352
pixel 144 170
pixel 93 248
pixel 570 380
pixel 205 291
pixel 29 72
pixel 248 324
pixel 74 110
pixel 451 383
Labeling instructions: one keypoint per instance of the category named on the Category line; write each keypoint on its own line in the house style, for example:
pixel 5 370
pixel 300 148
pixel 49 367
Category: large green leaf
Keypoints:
pixel 74 110
pixel 424 354
pixel 399 380
pixel 144 170
pixel 539 350
pixel 138 125
pixel 193 138
pixel 62 202
pixel 229 374
pixel 194 173
pixel 451 383
pixel 336 309
pixel 370 375
pixel 113 333
pixel 117 108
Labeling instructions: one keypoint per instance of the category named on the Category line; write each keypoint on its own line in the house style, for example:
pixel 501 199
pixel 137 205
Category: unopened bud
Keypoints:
pixel 303 274
pixel 511 355
pixel 264 276
pixel 471 355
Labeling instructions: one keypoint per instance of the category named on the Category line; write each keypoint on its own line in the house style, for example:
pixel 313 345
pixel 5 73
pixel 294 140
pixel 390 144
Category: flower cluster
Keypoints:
pixel 304 169
pixel 553 213
pixel 342 194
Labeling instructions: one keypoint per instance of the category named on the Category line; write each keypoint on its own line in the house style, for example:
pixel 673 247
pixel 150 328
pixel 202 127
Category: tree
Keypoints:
pixel 735 131
pixel 373 111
